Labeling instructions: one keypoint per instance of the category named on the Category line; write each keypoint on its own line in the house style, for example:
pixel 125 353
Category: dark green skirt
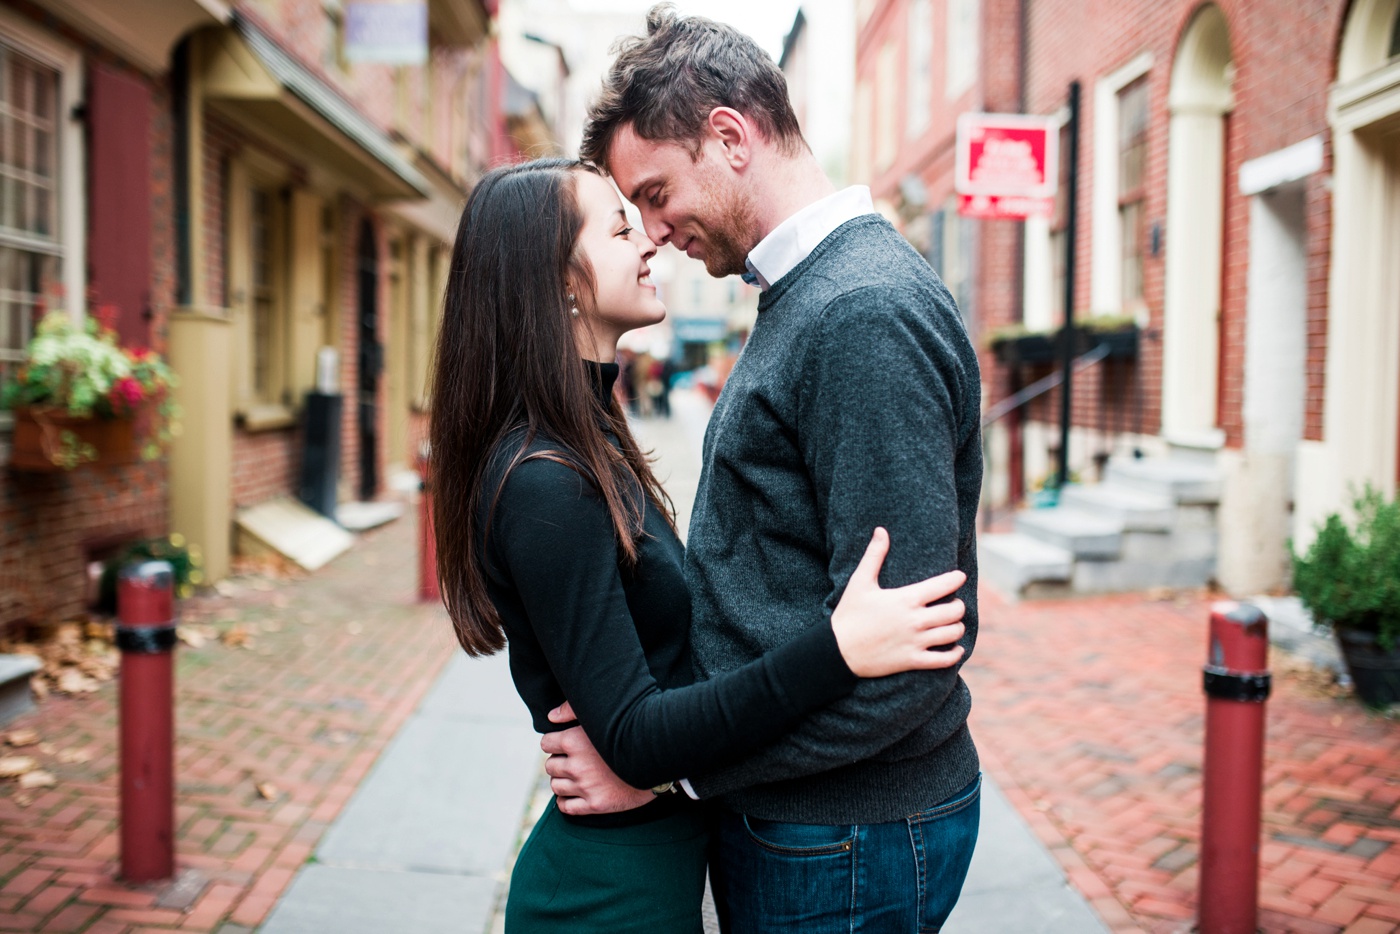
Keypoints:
pixel 647 879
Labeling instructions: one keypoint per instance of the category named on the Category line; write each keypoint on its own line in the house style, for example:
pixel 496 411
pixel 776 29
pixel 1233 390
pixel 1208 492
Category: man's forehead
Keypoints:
pixel 635 162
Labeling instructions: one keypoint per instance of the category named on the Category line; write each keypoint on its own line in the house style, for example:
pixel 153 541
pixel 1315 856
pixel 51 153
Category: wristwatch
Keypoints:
pixel 669 788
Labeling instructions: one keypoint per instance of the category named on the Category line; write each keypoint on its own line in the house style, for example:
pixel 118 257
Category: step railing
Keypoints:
pixel 1017 400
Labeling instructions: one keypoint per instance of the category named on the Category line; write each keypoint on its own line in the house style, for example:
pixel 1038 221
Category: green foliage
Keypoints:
pixel 1350 577
pixel 185 560
pixel 82 371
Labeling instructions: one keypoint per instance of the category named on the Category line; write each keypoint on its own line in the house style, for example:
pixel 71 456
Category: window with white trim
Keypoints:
pixel 39 261
pixel 1132 160
pixel 919 88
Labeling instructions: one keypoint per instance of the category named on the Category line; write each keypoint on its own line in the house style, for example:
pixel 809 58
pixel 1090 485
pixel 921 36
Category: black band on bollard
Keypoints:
pixel 146 640
pixel 1229 685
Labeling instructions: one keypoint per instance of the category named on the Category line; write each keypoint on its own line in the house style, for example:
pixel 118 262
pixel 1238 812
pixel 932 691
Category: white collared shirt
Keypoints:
pixel 791 241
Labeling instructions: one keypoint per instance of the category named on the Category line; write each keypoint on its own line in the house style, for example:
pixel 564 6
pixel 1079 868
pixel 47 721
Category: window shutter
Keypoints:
pixel 119 200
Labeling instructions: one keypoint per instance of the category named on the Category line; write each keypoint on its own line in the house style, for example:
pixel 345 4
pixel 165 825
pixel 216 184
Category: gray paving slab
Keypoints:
pixel 447 797
pixel 1014 883
pixel 326 899
pixel 423 844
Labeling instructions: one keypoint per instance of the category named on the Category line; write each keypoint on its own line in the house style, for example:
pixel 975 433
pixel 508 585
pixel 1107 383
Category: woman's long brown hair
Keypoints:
pixel 506 360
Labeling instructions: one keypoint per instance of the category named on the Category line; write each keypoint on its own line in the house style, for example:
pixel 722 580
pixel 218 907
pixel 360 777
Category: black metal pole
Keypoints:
pixel 1071 217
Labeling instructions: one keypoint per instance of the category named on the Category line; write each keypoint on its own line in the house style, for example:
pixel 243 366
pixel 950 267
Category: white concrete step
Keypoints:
pixel 1011 562
pixel 1138 511
pixel 1083 534
pixel 1180 481
pixel 15 695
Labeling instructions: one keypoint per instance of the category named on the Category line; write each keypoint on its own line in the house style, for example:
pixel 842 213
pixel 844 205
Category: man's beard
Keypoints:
pixel 728 234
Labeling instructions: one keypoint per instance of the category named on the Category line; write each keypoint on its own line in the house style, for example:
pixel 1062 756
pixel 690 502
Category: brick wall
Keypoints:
pixel 1283 55
pixel 51 525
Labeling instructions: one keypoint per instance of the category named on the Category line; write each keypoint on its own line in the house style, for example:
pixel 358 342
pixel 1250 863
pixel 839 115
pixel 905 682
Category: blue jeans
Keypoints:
pixel 900 876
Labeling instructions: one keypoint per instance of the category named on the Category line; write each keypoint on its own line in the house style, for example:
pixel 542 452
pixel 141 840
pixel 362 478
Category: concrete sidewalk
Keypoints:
pixel 425 843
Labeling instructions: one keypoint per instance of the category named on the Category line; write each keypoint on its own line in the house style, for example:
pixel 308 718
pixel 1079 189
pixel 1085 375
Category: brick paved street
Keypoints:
pixel 333 664
pixel 1090 715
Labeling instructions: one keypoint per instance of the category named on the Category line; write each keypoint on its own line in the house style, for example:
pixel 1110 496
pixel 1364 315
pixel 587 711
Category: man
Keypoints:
pixel 855 404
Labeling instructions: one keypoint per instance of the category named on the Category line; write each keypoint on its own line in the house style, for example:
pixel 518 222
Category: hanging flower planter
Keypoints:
pixel 48 439
pixel 80 398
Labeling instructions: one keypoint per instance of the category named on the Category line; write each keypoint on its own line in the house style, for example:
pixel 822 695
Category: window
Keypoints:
pixel 886 90
pixel 962 46
pixel 264 295
pixel 31 251
pixel 1132 158
pixel 920 65
pixel 333 42
pixel 1059 241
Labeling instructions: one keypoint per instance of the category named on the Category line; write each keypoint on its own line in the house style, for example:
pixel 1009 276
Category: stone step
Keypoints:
pixel 1179 481
pixel 15 696
pixel 1012 562
pixel 1083 534
pixel 1138 511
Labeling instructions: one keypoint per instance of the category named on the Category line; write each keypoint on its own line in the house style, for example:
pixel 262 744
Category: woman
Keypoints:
pixel 554 535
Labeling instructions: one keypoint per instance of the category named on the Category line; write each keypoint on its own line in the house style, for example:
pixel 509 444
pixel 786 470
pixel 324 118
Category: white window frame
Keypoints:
pixel 1106 273
pixel 919 69
pixel 29 39
pixel 964 48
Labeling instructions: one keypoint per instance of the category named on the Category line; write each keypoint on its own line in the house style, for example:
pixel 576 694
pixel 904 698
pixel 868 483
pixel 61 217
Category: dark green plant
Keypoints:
pixel 1350 576
pixel 185 561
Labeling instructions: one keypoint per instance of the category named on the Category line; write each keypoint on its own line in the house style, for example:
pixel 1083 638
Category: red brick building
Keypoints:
pixel 1236 202
pixel 234 192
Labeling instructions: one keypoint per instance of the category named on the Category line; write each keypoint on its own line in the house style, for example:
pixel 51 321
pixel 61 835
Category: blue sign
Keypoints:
pixel 390 33
pixel 700 330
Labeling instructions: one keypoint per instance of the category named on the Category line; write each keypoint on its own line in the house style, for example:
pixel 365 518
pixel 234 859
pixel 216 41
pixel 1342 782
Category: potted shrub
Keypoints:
pixel 1350 580
pixel 79 397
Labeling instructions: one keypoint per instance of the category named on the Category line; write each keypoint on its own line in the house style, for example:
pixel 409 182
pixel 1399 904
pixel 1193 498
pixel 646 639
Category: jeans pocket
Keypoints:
pixel 944 837
pixel 799 839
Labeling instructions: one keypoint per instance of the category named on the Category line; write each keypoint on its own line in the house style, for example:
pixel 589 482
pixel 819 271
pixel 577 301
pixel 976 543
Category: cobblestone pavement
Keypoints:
pixel 331 666
pixel 1090 715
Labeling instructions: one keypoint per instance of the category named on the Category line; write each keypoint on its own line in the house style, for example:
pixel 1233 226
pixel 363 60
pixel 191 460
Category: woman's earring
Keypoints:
pixel 573 307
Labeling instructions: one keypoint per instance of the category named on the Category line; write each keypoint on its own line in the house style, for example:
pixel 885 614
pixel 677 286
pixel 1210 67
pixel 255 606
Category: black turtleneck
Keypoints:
pixel 613 639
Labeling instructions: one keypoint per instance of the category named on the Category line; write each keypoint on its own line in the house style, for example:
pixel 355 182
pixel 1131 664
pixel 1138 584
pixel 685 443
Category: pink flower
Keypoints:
pixel 128 390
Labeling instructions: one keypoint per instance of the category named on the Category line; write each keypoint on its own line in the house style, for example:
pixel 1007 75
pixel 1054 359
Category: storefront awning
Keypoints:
pixel 250 80
pixel 143 31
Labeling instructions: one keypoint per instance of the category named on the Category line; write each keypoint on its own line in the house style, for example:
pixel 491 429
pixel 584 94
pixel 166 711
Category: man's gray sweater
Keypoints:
pixel 855 404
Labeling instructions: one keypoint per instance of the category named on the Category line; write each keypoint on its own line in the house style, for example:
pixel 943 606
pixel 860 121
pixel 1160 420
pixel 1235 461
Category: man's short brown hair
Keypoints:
pixel 666 83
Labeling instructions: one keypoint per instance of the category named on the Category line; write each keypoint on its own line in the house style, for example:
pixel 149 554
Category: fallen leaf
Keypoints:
pixel 234 637
pixel 73 681
pixel 74 755
pixel 22 737
pixel 14 766
pixel 355 627
pixel 23 800
pixel 225 588
pixel 191 636
pixel 46 749
pixel 37 779
pixel 267 790
pixel 40 687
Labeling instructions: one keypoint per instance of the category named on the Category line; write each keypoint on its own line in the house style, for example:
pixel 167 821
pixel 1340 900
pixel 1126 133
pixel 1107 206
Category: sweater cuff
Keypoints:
pixel 811 668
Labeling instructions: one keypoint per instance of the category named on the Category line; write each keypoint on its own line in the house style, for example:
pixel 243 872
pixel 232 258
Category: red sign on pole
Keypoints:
pixel 1007 165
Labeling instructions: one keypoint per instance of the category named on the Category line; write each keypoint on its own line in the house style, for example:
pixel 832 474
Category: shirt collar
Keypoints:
pixel 791 241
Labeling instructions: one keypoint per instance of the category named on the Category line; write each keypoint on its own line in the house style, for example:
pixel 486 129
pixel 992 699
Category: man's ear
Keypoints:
pixel 734 134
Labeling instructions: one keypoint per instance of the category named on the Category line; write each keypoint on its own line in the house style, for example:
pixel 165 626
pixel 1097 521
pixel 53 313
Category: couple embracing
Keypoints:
pixel 758 703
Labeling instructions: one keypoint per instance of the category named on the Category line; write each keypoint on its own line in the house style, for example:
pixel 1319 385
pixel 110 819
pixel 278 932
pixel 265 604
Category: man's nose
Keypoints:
pixel 657 230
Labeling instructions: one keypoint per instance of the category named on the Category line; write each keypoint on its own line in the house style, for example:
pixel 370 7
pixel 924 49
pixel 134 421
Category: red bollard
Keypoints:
pixel 146 637
pixel 1237 683
pixel 428 591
